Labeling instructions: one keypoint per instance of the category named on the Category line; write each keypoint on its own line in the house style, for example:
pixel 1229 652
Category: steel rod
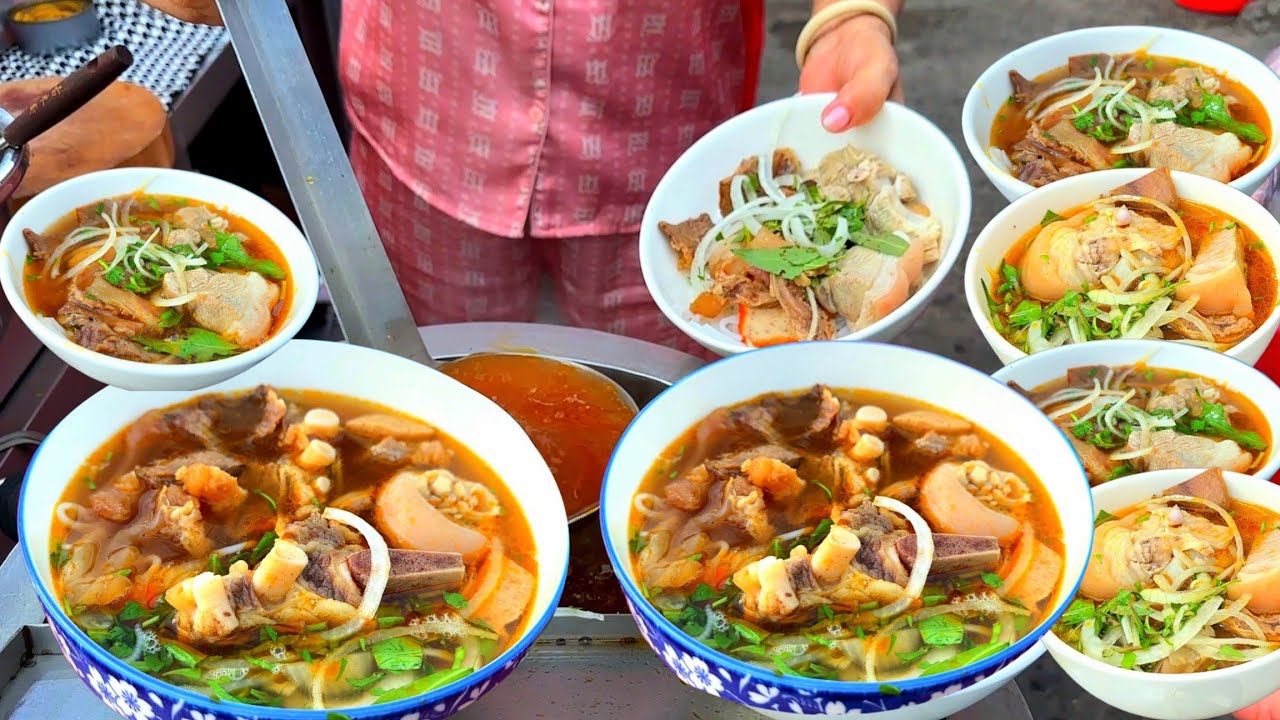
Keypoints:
pixel 366 297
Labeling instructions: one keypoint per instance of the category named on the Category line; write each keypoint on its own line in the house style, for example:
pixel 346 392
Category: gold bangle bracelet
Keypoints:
pixel 840 11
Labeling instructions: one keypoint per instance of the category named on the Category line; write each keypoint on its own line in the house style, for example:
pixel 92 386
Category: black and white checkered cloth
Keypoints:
pixel 166 52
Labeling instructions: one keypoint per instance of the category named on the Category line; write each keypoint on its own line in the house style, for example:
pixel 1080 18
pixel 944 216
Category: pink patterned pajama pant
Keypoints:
pixel 451 272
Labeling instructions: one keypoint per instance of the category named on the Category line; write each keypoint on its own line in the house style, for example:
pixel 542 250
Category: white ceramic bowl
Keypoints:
pixel 1025 213
pixel 948 705
pixel 1043 367
pixel 1193 696
pixel 55 203
pixel 862 365
pixel 467 416
pixel 902 137
pixel 993 88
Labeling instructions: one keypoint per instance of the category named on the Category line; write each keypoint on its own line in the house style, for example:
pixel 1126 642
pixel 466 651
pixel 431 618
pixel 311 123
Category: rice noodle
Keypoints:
pixel 648 503
pixel 924 556
pixel 1097 391
pixel 379 572
pixel 63 508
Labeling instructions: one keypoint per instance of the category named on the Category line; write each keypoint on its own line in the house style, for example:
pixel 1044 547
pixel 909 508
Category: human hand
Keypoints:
pixel 201 12
pixel 854 58
pixel 1267 709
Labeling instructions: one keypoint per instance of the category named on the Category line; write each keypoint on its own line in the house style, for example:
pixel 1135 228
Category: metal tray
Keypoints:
pixel 579 669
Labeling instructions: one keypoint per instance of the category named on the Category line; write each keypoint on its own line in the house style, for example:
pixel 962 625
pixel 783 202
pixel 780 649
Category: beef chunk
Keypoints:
pixel 1086 375
pixel 1097 464
pixel 38 245
pixel 327 574
pixel 689 491
pixel 1024 90
pixel 1084 65
pixel 165 471
pixel 1041 159
pixel 684 237
pixel 731 464
pixel 737 505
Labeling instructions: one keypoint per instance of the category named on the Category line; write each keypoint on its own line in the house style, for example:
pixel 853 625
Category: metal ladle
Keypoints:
pixel 368 301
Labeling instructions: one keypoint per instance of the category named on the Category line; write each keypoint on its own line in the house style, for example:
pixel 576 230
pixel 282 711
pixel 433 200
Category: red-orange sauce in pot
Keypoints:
pixel 572 415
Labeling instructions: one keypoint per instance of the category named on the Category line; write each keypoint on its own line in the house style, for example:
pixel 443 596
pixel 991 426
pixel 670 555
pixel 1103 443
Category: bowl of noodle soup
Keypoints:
pixel 762 530
pixel 1205 665
pixel 299 541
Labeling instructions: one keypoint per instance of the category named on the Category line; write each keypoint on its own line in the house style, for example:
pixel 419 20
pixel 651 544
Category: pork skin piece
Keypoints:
pixel 1208 485
pixel 1157 185
pixel 237 306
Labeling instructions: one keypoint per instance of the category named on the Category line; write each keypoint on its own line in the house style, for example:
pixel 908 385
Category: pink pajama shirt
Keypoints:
pixel 495 140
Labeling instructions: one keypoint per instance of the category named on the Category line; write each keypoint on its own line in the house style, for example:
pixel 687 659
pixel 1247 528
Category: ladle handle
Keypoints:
pixel 69 95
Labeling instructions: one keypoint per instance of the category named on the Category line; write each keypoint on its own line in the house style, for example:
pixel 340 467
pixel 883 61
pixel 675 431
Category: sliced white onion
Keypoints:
pixel 764 174
pixel 1150 319
pixel 1181 636
pixel 174 301
pixel 379 573
pixel 1069 409
pixel 699 265
pixel 924 556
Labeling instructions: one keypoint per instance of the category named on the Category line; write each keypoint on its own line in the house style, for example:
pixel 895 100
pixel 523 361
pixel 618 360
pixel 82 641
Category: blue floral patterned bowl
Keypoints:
pixel 869 366
pixel 472 419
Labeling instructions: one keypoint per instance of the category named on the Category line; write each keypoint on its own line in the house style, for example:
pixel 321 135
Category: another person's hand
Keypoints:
pixel 1268 709
pixel 854 58
pixel 201 12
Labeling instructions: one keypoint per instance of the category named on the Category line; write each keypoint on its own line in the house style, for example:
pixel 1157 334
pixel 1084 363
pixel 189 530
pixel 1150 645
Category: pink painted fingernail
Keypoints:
pixel 835 118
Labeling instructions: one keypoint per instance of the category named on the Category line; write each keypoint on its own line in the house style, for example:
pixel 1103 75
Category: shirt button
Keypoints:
pixel 539 84
pixel 535 114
